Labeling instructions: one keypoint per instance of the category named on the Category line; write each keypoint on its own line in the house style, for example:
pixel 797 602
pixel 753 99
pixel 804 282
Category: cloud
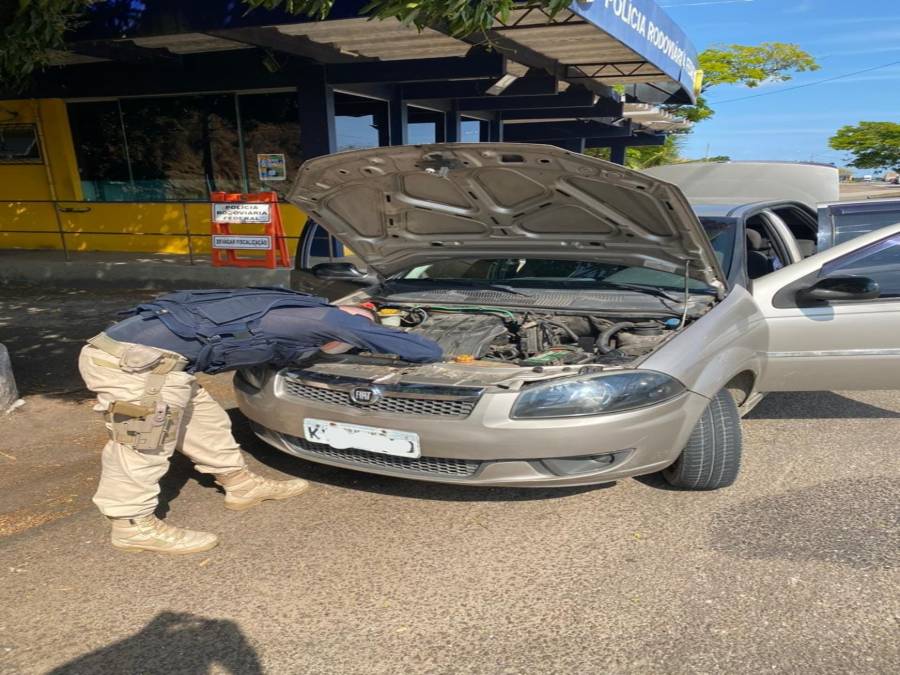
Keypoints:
pixel 774 131
pixel 799 8
pixel 859 52
pixel 888 36
pixel 706 3
pixel 846 21
pixel 889 76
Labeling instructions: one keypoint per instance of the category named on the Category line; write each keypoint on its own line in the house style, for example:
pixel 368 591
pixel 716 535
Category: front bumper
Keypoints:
pixel 487 447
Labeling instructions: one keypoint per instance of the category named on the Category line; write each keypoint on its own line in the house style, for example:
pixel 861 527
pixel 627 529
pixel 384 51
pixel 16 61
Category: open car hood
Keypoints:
pixel 402 206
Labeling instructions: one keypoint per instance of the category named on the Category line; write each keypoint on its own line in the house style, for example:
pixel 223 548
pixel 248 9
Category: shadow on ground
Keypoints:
pixel 816 405
pixel 854 523
pixel 173 643
pixel 398 487
pixel 45 330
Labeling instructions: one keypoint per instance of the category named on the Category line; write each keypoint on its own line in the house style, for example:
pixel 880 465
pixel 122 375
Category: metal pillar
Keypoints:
pixel 398 118
pixel 496 128
pixel 315 98
pixel 382 124
pixel 452 123
pixel 484 131
pixel 617 153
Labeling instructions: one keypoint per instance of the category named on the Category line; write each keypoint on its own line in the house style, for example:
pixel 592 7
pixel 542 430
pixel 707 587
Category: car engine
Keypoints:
pixel 531 338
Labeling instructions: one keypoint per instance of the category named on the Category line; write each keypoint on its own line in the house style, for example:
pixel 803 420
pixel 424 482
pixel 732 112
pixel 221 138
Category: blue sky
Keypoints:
pixel 795 125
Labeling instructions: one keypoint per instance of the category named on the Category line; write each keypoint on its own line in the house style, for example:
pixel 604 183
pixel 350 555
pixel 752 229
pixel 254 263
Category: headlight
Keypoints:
pixel 595 395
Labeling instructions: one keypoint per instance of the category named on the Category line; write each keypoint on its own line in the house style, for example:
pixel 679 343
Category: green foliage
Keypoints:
pixel 643 157
pixel 753 65
pixel 874 145
pixel 30 28
pixel 747 65
pixel 461 17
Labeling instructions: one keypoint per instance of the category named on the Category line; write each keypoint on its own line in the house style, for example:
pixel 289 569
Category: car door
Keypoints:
pixel 842 221
pixel 849 341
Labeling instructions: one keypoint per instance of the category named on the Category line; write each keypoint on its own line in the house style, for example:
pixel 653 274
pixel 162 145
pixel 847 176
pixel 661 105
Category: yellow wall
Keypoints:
pixel 29 219
pixel 32 181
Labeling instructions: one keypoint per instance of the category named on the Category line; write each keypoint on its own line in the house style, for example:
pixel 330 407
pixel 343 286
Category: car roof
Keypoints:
pixel 723 207
pixel 730 207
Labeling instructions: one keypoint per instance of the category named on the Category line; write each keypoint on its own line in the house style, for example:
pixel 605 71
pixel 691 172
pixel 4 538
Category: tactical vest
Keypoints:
pixel 226 322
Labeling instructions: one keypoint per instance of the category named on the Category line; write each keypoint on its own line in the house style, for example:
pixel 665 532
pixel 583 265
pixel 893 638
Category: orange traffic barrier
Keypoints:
pixel 255 208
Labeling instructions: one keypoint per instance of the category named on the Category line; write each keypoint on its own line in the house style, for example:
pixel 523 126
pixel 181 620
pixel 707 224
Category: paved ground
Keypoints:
pixel 877 190
pixel 796 569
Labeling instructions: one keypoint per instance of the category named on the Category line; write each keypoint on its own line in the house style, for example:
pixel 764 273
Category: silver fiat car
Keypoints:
pixel 595 324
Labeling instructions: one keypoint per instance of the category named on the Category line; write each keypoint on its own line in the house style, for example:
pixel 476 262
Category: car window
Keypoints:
pixel 721 235
pixel 879 261
pixel 851 220
pixel 545 272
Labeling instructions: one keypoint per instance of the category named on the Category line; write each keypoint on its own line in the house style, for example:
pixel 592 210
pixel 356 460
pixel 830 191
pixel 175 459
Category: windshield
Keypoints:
pixel 546 273
pixel 721 235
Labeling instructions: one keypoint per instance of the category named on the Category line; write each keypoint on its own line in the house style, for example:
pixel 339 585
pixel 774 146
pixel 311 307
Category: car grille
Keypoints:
pixel 434 466
pixel 388 404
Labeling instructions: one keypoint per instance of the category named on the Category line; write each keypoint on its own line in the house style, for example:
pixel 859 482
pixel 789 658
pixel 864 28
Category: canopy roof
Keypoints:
pixel 594 43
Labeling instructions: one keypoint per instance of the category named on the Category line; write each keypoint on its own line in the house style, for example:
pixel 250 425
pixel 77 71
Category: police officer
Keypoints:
pixel 143 372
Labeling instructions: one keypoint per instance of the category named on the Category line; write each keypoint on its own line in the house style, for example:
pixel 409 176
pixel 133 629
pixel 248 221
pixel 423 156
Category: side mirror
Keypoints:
pixel 842 288
pixel 344 271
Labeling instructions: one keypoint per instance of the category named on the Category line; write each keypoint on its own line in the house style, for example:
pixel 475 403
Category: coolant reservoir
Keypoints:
pixel 389 316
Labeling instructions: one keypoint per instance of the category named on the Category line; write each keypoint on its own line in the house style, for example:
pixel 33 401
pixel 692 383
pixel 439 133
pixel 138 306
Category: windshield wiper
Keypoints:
pixel 649 290
pixel 465 283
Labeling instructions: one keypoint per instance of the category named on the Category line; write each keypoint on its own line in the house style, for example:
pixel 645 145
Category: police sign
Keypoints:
pixel 644 27
pixel 242 212
pixel 242 241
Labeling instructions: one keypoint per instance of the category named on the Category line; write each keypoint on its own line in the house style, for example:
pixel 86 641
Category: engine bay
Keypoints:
pixel 530 338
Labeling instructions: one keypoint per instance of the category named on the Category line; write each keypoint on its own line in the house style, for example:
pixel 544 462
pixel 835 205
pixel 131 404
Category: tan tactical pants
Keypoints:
pixel 129 480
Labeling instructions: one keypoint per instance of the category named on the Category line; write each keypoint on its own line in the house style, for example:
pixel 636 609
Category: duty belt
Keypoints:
pixel 144 426
pixel 170 360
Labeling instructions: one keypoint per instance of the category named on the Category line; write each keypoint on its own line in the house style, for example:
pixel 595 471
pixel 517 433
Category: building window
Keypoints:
pixel 19 143
pixel 270 125
pixel 181 148
pixel 359 122
pixel 100 151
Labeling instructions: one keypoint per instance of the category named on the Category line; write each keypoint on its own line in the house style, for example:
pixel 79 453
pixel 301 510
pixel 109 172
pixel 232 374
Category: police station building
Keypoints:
pixel 118 145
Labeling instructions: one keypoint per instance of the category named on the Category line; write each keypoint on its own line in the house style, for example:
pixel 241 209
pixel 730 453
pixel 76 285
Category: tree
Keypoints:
pixel 30 30
pixel 874 145
pixel 748 65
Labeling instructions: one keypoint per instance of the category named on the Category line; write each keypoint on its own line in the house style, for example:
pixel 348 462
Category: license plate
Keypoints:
pixel 345 436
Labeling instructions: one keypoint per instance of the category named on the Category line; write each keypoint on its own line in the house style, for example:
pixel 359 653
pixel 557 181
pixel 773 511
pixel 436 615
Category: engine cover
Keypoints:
pixel 459 334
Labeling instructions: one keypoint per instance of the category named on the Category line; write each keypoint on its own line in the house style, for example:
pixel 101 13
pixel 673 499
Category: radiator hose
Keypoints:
pixel 603 344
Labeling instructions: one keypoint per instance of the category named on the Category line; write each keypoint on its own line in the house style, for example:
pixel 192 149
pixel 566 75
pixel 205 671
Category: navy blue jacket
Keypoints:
pixel 311 327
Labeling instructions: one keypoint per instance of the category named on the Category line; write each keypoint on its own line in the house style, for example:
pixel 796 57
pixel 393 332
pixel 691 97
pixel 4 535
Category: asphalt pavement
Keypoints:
pixel 795 569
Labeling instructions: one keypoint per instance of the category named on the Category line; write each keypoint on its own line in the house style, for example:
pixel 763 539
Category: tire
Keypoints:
pixel 712 457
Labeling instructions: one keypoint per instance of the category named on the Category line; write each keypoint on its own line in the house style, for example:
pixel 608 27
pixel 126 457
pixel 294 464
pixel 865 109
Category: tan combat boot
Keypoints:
pixel 149 533
pixel 244 489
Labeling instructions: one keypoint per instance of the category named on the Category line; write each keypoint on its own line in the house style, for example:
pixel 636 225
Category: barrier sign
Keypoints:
pixel 236 242
pixel 237 213
pixel 259 208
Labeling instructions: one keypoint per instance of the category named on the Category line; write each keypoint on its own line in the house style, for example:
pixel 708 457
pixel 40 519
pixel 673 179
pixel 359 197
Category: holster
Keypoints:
pixel 142 428
pixel 147 425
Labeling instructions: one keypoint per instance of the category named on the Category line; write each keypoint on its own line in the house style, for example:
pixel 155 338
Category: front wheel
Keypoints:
pixel 712 457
